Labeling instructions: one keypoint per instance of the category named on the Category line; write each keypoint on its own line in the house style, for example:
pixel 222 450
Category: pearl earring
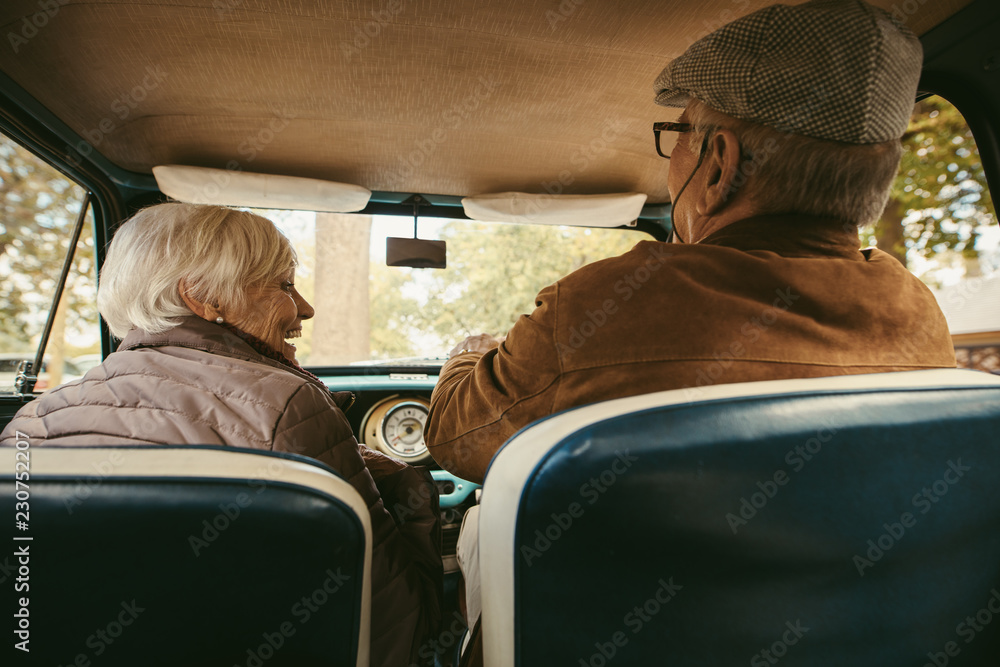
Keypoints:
pixel 219 320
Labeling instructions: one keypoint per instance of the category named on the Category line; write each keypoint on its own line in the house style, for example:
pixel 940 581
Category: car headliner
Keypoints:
pixel 453 97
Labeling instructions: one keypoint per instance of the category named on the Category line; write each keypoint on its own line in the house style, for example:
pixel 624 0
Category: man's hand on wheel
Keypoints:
pixel 480 344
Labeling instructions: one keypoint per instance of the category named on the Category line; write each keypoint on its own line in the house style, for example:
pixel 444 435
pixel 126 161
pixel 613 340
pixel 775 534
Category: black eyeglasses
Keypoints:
pixel 668 127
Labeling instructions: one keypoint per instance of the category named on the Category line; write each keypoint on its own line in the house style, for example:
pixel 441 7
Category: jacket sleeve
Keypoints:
pixel 480 401
pixel 407 572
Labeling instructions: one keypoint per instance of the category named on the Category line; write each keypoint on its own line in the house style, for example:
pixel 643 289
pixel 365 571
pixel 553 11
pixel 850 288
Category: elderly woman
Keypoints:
pixel 204 299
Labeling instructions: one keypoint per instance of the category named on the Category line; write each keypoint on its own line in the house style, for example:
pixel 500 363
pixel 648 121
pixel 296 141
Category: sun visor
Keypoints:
pixel 612 210
pixel 223 187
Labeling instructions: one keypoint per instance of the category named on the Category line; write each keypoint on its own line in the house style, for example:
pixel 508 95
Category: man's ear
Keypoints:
pixel 203 309
pixel 722 166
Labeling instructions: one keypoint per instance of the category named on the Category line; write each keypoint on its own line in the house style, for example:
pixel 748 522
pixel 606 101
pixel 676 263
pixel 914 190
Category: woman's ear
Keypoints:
pixel 723 166
pixel 202 309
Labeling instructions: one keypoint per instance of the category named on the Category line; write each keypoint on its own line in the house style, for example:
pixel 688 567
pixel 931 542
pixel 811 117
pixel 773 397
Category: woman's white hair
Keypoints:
pixel 785 172
pixel 219 252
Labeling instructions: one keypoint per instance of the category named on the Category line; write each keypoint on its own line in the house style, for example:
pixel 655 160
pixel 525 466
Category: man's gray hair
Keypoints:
pixel 792 173
pixel 220 253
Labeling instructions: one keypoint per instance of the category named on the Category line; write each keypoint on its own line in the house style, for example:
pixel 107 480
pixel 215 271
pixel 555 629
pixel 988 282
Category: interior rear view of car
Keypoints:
pixel 437 169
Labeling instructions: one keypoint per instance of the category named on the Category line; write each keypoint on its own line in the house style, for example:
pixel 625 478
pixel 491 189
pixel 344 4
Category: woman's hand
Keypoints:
pixel 480 344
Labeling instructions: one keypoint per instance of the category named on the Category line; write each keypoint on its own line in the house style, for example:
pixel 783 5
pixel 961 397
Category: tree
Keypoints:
pixel 494 273
pixel 341 326
pixel 940 201
pixel 396 317
pixel 39 208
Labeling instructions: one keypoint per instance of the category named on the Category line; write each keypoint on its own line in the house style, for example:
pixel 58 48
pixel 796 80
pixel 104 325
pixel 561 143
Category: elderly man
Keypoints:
pixel 788 141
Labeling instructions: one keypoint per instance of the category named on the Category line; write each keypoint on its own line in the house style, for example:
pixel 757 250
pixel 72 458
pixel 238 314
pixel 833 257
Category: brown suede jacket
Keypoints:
pixel 200 384
pixel 766 298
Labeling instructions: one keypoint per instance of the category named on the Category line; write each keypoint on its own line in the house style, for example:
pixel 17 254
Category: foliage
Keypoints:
pixel 39 209
pixel 396 318
pixel 940 201
pixel 494 273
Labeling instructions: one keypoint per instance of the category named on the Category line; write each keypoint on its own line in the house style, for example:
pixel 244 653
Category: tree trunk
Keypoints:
pixel 341 326
pixel 889 231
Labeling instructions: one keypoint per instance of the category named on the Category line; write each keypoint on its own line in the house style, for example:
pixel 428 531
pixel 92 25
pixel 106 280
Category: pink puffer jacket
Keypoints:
pixel 200 384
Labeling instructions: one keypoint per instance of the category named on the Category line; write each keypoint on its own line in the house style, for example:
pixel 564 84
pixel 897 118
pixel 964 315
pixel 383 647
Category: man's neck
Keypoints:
pixel 704 225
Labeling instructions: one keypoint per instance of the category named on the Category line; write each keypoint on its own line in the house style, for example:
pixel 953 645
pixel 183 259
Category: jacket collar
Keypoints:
pixel 198 334
pixel 791 236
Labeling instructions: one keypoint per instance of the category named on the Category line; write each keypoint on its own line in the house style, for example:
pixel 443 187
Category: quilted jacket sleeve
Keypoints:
pixel 407 572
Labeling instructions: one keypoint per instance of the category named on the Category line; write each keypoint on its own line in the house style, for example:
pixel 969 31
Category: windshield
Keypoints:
pixel 367 312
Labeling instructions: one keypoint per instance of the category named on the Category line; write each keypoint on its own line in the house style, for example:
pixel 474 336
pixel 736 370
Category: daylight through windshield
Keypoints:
pixel 367 311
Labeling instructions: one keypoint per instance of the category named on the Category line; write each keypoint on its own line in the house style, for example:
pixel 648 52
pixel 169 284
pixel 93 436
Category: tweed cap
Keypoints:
pixel 840 70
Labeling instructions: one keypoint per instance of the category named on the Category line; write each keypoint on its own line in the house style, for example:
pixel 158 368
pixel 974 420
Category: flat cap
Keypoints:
pixel 840 70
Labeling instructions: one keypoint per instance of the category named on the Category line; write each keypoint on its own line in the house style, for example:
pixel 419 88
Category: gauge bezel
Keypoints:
pixel 384 422
pixel 374 421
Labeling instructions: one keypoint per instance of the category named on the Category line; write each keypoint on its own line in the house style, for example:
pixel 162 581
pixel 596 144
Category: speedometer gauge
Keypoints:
pixel 395 426
pixel 403 429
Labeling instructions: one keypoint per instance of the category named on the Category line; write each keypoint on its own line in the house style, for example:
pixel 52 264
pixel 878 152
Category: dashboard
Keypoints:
pixel 389 415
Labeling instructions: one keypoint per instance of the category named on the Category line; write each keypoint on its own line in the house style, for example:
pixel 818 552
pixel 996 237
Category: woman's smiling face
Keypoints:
pixel 274 313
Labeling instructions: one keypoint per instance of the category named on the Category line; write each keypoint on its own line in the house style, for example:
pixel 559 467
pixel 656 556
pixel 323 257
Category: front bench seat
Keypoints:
pixel 185 555
pixel 847 521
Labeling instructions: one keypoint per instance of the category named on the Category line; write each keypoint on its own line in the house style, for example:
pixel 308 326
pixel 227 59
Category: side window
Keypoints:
pixel 941 224
pixel 40 207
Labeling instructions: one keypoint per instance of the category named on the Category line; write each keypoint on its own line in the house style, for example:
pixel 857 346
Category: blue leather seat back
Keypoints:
pixel 822 527
pixel 263 567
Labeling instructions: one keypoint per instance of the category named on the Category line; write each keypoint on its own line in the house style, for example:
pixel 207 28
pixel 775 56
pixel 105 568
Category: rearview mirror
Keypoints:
pixel 415 253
